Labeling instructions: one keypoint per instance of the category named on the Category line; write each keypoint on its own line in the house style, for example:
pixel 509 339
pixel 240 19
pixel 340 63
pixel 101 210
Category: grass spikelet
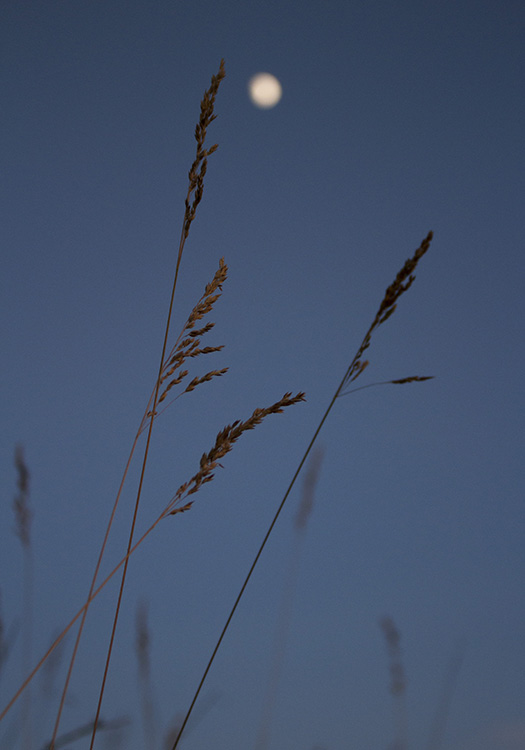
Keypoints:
pixel 403 281
pixel 22 510
pixel 200 164
pixel 399 381
pixel 224 442
pixel 397 679
pixel 412 379
pixel 392 639
pixel 204 379
pixel 23 519
pixel 142 650
pixel 189 347
pixel 188 343
pixel 309 484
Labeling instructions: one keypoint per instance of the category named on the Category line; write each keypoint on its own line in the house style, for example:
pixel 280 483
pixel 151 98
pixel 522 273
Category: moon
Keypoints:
pixel 265 90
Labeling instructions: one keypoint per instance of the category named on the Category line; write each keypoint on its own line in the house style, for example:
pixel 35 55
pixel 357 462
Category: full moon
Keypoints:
pixel 265 90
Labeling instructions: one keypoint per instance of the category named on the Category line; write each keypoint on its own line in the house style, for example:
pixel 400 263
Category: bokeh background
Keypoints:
pixel 396 118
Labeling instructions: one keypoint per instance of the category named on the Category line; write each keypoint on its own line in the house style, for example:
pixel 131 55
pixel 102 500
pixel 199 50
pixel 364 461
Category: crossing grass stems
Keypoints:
pixel 172 382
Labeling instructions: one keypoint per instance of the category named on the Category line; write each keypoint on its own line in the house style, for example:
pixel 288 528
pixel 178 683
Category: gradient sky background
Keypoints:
pixel 396 118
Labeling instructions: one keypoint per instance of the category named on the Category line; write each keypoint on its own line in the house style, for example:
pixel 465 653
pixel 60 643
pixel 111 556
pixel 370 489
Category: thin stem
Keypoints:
pixel 401 283
pixel 254 563
pixel 287 602
pixel 95 576
pixel 195 187
pixel 89 597
pixel 141 482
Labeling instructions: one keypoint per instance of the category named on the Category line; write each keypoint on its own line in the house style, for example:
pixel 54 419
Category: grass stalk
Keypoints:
pixel 403 281
pixel 23 519
pixel 287 599
pixel 193 198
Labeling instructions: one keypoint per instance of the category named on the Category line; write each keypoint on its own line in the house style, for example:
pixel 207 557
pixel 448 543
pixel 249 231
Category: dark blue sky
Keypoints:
pixel 396 119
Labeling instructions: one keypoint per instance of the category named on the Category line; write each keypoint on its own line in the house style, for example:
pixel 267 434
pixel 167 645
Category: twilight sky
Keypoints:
pixel 395 119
